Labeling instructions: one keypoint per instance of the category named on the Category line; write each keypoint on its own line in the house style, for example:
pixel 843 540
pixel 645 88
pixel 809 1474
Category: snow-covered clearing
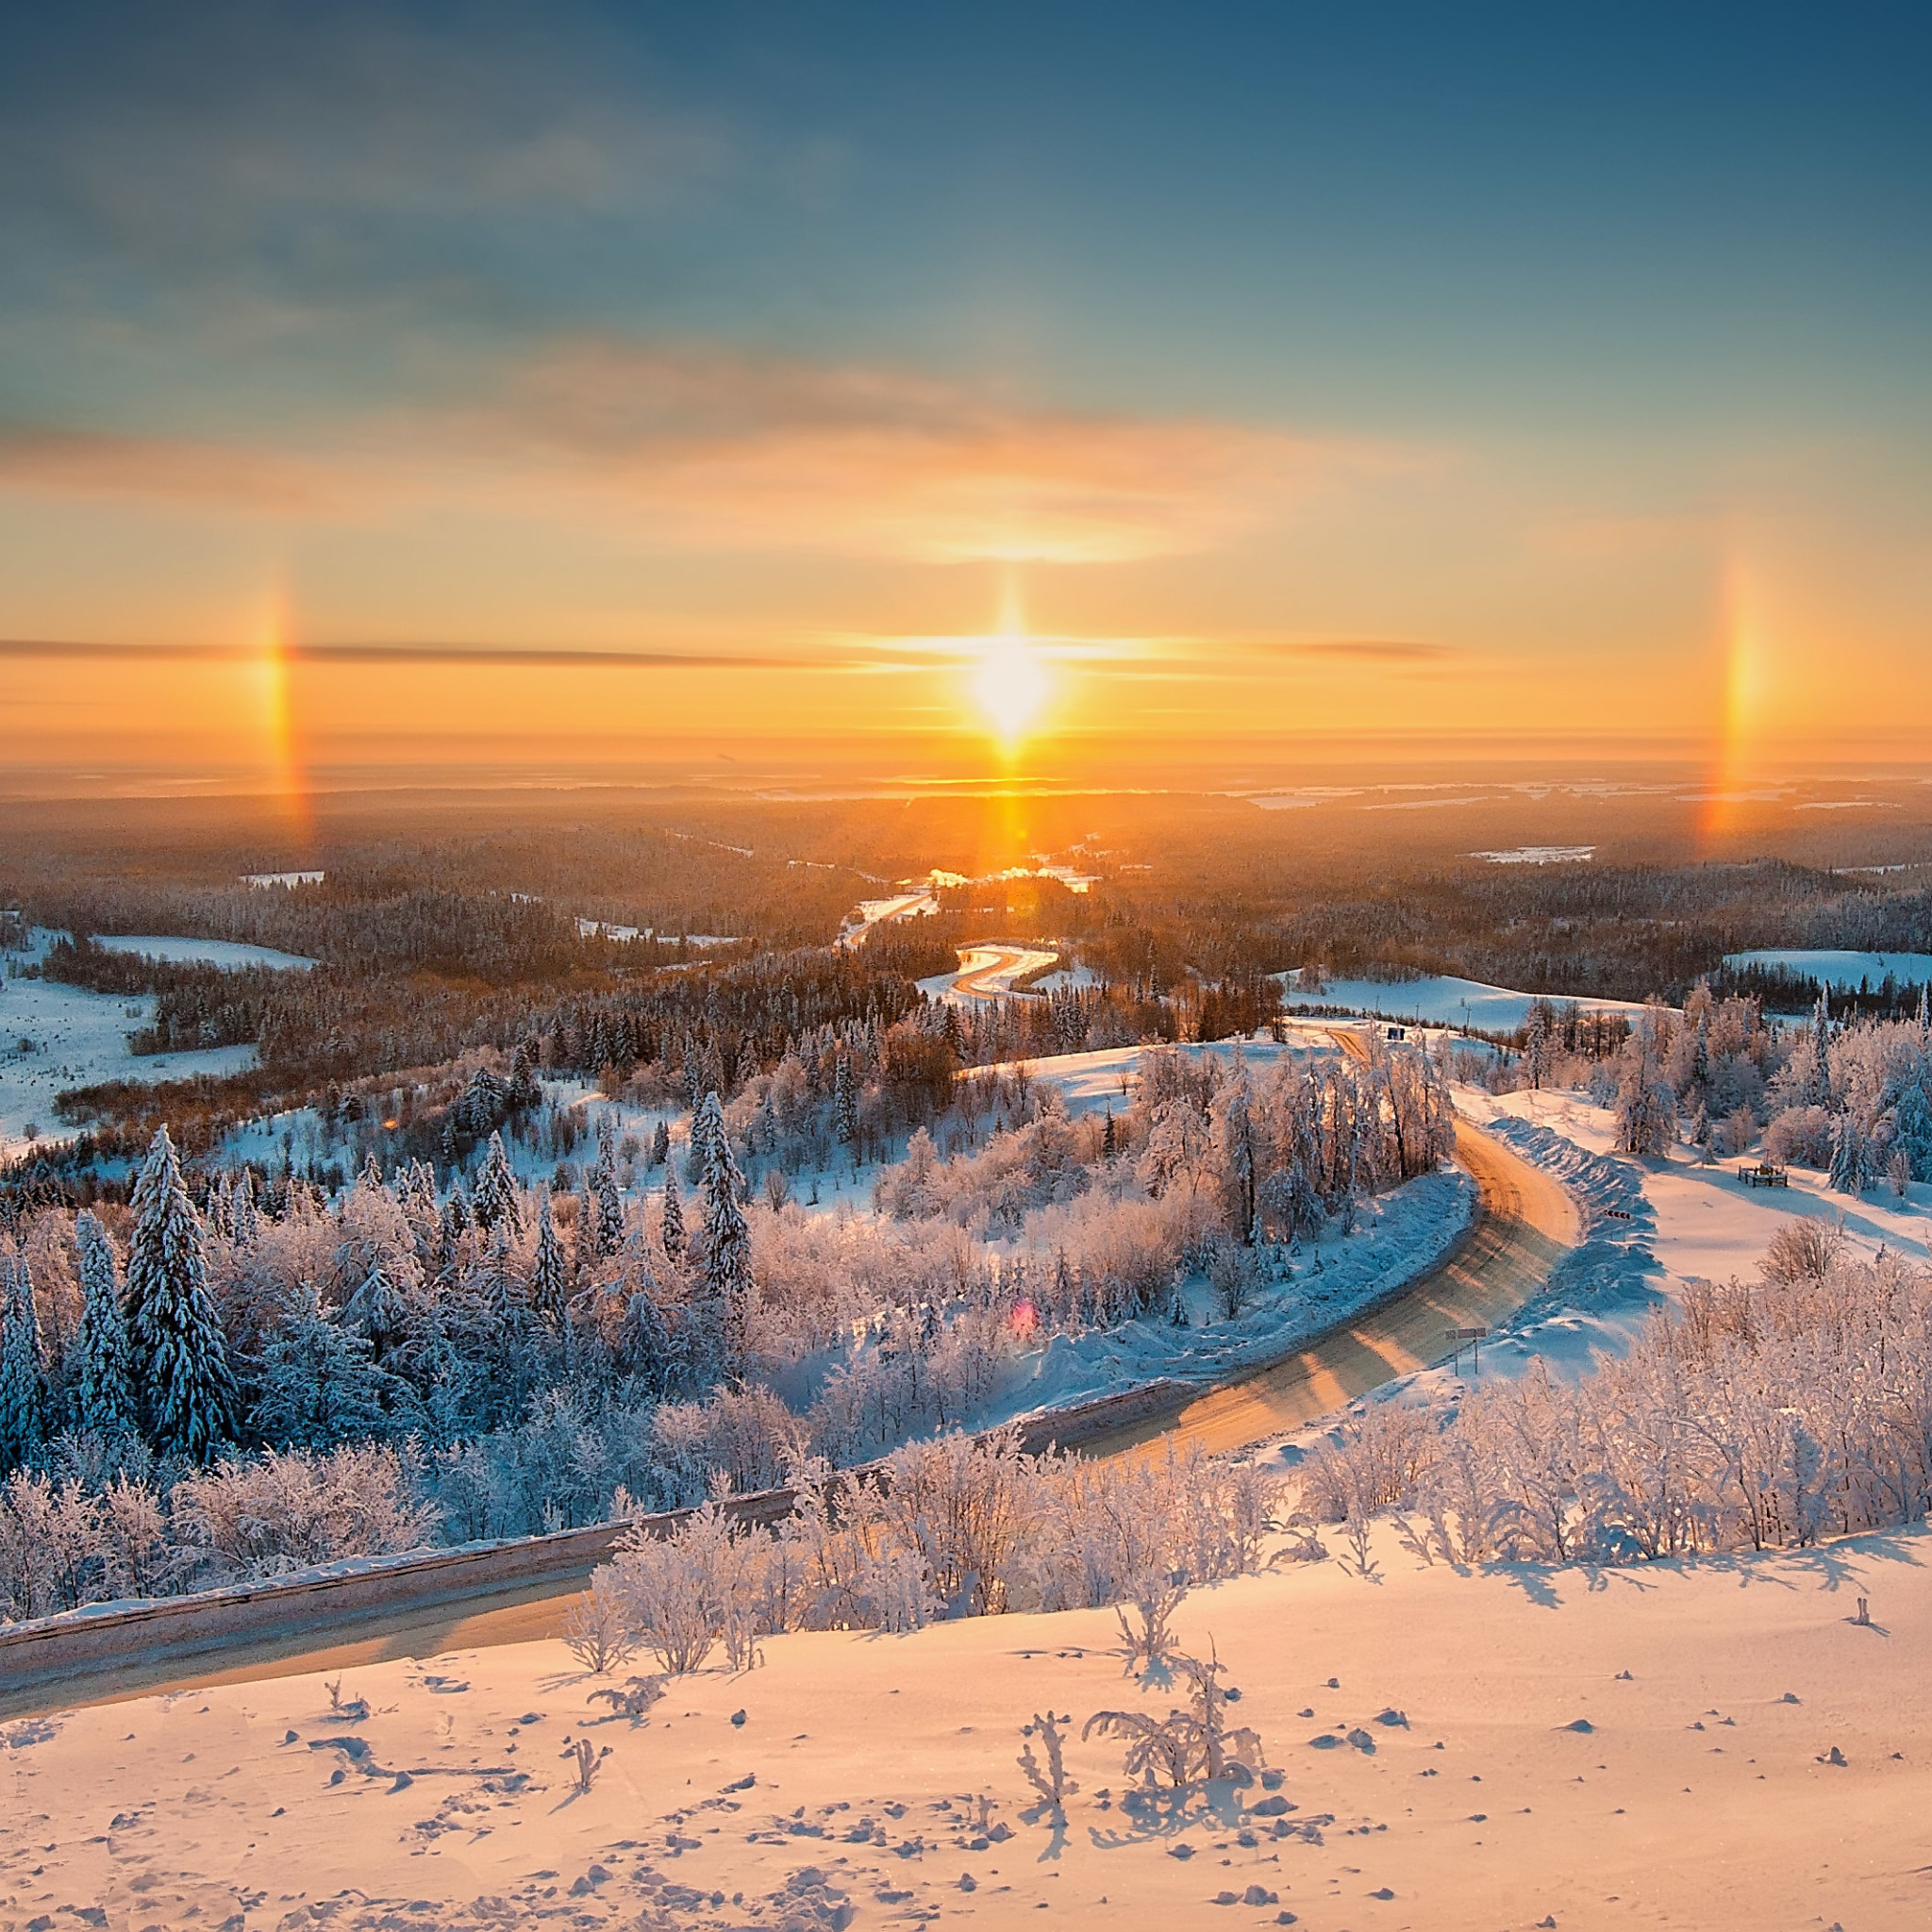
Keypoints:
pixel 871 913
pixel 1840 969
pixel 1441 1000
pixel 1451 1750
pixel 1539 855
pixel 226 954
pixel 79 1038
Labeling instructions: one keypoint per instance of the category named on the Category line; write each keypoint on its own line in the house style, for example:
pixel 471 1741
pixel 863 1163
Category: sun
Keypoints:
pixel 1011 685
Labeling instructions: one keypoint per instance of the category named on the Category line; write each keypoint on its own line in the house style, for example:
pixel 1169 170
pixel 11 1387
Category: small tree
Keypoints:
pixel 182 1377
pixel 103 1393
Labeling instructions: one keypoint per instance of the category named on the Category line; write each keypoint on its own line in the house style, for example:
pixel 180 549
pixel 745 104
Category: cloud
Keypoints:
pixel 95 463
pixel 698 446
pixel 1366 650
pixel 468 655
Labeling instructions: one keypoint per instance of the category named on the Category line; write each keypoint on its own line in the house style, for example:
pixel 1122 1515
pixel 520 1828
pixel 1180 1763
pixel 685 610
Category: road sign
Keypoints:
pixel 1474 1336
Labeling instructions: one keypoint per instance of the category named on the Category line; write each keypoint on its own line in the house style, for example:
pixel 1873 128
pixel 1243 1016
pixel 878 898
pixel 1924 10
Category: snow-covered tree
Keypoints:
pixel 1852 1165
pixel 103 1391
pixel 549 1271
pixel 727 1280
pixel 496 1190
pixel 22 1386
pixel 182 1379
pixel 672 1220
pixel 318 1381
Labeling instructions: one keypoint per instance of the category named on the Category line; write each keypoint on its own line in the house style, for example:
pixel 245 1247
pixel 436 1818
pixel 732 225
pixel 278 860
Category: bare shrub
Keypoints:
pixel 596 1629
pixel 1050 1780
pixel 1186 1747
pixel 1147 1640
pixel 585 1762
pixel 1803 1250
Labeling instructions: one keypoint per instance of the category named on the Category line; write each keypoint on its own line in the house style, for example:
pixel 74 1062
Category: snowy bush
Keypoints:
pixel 1762 1415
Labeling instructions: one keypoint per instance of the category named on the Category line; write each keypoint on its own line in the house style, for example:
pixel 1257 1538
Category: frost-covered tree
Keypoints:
pixel 495 1201
pixel 183 1383
pixel 672 1220
pixel 22 1386
pixel 103 1391
pixel 318 1381
pixel 1852 1165
pixel 549 1273
pixel 1536 1044
pixel 727 1282
pixel 609 1209
pixel 376 1310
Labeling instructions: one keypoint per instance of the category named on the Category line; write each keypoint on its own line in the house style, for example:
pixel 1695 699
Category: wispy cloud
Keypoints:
pixel 695 445
pixel 472 656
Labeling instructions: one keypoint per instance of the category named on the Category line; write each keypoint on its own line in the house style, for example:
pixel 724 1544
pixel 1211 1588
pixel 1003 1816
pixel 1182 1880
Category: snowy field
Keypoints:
pixel 1441 1000
pixel 79 1038
pixel 1840 969
pixel 1451 1751
pixel 226 954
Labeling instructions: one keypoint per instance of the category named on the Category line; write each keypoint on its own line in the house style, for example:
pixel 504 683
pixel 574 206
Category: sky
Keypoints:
pixel 930 389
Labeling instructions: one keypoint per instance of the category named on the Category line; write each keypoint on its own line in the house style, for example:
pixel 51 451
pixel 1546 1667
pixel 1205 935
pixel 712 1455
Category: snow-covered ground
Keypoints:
pixel 871 912
pixel 53 1036
pixel 226 954
pixel 1841 969
pixel 986 973
pixel 1650 1228
pixel 1449 1751
pixel 1441 1000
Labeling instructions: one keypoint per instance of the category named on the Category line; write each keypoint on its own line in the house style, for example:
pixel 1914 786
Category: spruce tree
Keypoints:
pixel 182 1379
pixel 660 1145
pixel 609 1210
pixel 319 1385
pixel 549 1273
pixel 673 1220
pixel 728 1239
pixel 496 1190
pixel 103 1393
pixel 23 1388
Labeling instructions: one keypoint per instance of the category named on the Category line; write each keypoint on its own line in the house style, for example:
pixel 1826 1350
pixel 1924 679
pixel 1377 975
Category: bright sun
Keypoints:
pixel 1010 686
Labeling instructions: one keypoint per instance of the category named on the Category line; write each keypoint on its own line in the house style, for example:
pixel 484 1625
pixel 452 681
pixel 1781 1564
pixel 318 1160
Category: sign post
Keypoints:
pixel 1456 1337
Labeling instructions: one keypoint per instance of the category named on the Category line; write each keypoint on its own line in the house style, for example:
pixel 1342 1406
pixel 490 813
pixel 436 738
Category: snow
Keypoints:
pixel 260 879
pixel 992 971
pixel 1539 855
pixel 79 1039
pixel 226 954
pixel 1534 1733
pixel 871 913
pixel 1398 1236
pixel 1829 966
pixel 1440 1000
pixel 1684 1222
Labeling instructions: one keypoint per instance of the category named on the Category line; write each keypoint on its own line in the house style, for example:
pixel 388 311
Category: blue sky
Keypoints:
pixel 1393 292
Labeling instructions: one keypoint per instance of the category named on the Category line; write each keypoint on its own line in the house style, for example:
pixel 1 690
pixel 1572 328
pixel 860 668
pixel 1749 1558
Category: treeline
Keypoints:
pixel 1599 931
pixel 196 1004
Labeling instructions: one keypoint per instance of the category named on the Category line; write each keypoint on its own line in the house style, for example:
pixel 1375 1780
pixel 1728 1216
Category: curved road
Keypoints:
pixel 996 963
pixel 1523 1225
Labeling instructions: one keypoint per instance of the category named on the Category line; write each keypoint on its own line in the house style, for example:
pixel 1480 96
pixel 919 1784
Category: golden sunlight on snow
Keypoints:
pixel 1700 1744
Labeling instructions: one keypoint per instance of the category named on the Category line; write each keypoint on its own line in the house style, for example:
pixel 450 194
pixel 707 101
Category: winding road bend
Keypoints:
pixel 1523 1225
